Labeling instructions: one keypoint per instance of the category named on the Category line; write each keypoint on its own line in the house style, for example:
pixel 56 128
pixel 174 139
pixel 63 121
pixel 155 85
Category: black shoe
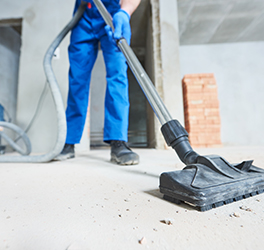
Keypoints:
pixel 66 153
pixel 122 154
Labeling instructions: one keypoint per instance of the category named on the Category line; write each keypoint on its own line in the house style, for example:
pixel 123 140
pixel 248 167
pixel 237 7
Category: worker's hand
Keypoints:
pixel 122 27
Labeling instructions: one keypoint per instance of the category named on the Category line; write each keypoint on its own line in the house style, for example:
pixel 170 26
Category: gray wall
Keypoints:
pixel 239 72
pixel 10 43
pixel 164 55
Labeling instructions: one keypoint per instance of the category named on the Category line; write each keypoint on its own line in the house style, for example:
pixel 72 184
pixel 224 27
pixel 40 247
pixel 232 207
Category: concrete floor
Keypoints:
pixel 90 203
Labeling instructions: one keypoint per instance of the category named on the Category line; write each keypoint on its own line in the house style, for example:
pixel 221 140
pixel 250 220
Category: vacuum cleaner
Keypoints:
pixel 207 181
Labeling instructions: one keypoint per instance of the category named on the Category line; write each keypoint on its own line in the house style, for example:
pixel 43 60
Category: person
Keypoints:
pixel 83 49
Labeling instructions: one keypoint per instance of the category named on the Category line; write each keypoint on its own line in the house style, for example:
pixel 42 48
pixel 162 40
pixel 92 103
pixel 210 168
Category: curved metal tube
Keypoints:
pixel 55 91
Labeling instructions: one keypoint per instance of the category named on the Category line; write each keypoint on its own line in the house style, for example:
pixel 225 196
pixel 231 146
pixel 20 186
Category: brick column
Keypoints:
pixel 201 110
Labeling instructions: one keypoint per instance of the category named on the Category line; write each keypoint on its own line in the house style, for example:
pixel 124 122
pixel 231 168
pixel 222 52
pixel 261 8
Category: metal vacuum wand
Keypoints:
pixel 142 77
pixel 173 132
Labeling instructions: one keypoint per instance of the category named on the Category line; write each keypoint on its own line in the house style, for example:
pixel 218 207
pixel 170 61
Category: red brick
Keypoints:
pixel 192 89
pixel 201 110
pixel 191 76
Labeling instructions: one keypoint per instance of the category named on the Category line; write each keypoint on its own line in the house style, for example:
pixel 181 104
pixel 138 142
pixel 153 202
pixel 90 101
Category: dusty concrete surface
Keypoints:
pixel 90 203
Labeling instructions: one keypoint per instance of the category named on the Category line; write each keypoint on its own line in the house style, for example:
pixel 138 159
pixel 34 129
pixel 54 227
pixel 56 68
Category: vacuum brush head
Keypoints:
pixel 212 182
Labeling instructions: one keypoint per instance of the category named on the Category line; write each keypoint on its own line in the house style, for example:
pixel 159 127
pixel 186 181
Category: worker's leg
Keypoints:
pixel 116 97
pixel 82 55
pixel 117 105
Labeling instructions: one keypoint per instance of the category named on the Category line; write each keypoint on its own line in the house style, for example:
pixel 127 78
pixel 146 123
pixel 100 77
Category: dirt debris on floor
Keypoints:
pixel 79 202
pixel 143 241
pixel 245 208
pixel 167 221
pixel 235 214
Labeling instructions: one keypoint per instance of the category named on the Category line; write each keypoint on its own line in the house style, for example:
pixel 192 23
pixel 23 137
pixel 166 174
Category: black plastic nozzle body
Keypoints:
pixel 177 137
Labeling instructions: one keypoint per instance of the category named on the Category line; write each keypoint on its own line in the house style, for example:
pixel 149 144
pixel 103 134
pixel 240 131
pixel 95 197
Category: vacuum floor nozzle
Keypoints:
pixel 212 182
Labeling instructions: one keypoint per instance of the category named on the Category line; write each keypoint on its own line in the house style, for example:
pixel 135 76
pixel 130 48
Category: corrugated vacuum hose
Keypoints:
pixel 12 143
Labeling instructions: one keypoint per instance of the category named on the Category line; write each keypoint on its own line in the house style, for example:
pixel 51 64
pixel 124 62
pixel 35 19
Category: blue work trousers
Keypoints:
pixel 83 51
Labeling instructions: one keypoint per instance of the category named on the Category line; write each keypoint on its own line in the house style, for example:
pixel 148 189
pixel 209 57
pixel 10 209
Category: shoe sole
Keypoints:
pixel 120 161
pixel 63 157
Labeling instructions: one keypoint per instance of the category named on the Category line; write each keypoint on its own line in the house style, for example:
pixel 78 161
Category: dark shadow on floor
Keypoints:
pixel 138 172
pixel 156 193
pixel 114 165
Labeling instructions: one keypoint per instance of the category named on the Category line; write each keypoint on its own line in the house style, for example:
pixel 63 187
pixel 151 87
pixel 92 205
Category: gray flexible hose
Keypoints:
pixel 21 134
pixel 55 91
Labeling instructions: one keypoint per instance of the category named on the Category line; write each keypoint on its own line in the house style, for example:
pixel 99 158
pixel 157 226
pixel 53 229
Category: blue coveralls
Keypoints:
pixel 83 51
